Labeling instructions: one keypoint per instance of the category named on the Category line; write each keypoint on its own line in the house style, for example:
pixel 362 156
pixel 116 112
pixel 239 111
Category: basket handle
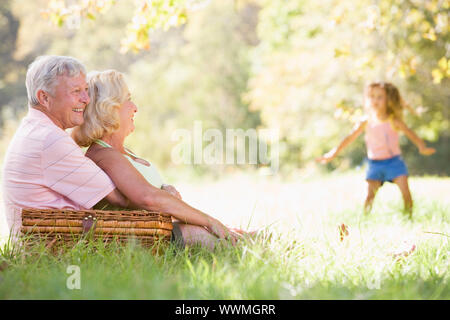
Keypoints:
pixel 89 223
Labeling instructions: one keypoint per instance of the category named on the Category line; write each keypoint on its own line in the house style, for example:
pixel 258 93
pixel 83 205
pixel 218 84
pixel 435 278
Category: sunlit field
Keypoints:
pixel 297 255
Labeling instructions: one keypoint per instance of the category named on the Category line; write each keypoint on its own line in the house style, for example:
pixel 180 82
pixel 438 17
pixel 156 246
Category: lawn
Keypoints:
pixel 299 255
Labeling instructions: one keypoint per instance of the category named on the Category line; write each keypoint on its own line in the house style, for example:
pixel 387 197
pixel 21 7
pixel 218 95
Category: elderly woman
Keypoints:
pixel 108 120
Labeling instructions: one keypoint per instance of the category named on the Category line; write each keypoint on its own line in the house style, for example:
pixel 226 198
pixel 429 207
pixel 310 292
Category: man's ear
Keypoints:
pixel 43 98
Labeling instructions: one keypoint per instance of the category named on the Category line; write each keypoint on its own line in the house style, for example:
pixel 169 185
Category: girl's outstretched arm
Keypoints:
pixel 357 130
pixel 423 149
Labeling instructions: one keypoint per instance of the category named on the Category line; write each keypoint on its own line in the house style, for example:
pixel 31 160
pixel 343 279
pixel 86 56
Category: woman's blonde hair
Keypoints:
pixel 107 92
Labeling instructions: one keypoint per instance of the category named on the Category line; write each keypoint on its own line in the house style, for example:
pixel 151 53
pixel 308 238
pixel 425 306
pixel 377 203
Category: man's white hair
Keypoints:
pixel 43 72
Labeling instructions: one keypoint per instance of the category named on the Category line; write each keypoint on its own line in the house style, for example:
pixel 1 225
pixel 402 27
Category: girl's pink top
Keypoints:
pixel 381 141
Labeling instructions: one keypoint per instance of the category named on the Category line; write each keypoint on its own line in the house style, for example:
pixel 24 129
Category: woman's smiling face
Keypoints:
pixel 126 115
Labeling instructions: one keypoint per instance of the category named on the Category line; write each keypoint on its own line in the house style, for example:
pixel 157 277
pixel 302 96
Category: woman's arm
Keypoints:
pixel 423 149
pixel 172 190
pixel 143 195
pixel 357 130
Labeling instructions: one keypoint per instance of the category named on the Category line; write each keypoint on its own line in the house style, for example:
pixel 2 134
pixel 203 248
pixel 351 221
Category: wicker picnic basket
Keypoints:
pixel 71 226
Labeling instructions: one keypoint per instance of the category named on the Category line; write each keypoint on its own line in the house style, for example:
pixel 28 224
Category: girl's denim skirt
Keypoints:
pixel 387 169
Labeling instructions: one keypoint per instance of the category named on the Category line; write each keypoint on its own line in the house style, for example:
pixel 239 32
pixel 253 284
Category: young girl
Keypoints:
pixel 384 108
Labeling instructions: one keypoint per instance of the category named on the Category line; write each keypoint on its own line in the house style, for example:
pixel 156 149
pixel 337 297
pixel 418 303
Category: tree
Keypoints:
pixel 148 17
pixel 11 70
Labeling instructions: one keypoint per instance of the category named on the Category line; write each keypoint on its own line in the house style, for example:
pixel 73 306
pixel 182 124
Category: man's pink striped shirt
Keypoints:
pixel 44 168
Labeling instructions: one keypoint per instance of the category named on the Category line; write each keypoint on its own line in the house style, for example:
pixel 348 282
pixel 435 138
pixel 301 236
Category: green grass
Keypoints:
pixel 300 256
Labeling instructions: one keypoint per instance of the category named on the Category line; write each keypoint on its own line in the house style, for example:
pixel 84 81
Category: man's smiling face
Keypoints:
pixel 67 102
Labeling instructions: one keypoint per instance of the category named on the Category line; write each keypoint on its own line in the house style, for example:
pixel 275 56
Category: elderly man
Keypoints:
pixel 44 167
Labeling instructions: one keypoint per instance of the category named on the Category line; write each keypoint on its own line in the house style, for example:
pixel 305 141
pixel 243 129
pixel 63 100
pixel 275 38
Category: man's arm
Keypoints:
pixel 420 144
pixel 116 198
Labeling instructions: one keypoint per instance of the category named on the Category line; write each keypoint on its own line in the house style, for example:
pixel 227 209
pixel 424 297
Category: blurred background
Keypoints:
pixel 296 66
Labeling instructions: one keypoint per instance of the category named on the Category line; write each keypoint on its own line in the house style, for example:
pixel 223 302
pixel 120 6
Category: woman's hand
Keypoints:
pixel 222 232
pixel 171 189
pixel 426 151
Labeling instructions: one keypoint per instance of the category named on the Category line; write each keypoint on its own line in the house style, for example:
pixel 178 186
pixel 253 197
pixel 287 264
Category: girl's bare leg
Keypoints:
pixel 372 188
pixel 402 183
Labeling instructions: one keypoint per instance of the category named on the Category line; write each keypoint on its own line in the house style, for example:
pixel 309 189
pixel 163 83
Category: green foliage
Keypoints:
pixel 148 16
pixel 299 66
